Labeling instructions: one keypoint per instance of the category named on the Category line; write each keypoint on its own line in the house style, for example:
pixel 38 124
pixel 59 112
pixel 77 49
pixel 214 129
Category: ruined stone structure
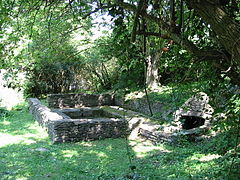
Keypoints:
pixel 85 124
pixel 91 100
pixel 195 112
pixel 79 100
pixel 140 105
pixel 80 117
pixel 192 119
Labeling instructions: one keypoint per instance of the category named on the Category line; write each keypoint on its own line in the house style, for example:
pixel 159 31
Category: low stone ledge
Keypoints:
pixel 79 100
pixel 43 114
pixel 87 129
pixel 169 133
pixel 139 105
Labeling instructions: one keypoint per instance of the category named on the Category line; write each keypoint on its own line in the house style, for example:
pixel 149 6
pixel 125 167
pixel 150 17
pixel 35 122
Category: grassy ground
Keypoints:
pixel 171 96
pixel 27 153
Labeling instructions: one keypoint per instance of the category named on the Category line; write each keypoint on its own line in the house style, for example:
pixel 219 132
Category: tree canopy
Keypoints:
pixel 202 32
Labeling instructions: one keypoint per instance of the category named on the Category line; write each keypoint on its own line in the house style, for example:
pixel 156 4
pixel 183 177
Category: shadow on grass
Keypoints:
pixel 190 160
pixel 40 160
pixel 27 153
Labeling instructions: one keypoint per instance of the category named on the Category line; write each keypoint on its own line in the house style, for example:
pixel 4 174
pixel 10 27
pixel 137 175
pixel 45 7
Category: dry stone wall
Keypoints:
pixel 79 100
pixel 88 129
pixel 42 113
pixel 139 105
pixel 61 128
pixel 90 100
pixel 197 106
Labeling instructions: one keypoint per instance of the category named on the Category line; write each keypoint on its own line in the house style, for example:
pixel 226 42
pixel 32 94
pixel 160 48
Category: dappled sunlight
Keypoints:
pixel 35 127
pixel 29 138
pixel 157 90
pixel 99 154
pixel 7 139
pixel 143 148
pixel 205 158
pixel 87 144
pixel 162 90
pixel 5 123
pixel 70 153
pixel 116 82
pixel 136 94
pixel 17 129
pixel 26 151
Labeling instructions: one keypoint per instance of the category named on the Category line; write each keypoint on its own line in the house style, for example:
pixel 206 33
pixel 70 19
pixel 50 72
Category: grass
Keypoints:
pixel 27 153
pixel 171 97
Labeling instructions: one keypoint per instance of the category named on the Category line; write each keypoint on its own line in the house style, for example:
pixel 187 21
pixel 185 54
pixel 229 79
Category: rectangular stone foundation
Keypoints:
pixel 86 129
pixel 62 128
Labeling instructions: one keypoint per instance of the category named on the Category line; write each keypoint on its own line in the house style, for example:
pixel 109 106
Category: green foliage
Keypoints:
pixel 3 112
pixel 50 77
pixel 113 62
pixel 48 62
pixel 130 62
pixel 37 41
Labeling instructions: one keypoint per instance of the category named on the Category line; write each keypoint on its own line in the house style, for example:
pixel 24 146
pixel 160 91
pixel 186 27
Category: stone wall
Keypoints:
pixel 139 105
pixel 86 129
pixel 79 100
pixel 196 106
pixel 89 100
pixel 43 114
pixel 61 128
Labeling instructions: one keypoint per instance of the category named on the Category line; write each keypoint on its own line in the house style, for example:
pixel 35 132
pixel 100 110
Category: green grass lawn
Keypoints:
pixel 27 153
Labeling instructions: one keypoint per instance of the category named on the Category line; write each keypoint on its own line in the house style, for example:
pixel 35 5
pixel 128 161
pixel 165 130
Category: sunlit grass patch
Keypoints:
pixel 27 153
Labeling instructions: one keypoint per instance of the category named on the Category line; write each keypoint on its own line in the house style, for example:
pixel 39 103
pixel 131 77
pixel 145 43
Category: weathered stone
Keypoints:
pixel 92 123
pixel 79 100
pixel 196 106
pixel 139 105
pixel 61 128
pixel 196 114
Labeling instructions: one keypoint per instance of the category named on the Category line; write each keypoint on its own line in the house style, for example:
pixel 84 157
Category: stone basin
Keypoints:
pixel 77 124
pixel 87 112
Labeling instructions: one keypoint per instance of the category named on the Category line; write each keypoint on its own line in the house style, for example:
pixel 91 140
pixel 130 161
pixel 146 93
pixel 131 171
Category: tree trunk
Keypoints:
pixel 152 76
pixel 226 28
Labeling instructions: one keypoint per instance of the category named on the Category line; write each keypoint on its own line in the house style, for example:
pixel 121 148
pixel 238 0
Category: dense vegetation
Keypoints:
pixel 170 48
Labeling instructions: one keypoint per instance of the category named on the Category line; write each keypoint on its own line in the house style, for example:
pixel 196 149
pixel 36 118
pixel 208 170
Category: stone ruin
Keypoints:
pixel 79 100
pixel 83 123
pixel 191 119
pixel 195 112
pixel 77 117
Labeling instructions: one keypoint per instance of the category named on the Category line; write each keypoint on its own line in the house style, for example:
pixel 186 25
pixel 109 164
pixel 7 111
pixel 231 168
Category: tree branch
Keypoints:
pixel 163 36
pixel 177 38
pixel 96 10
pixel 134 29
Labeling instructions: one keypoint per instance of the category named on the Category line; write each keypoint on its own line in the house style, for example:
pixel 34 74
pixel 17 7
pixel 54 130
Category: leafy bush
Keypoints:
pixel 3 112
pixel 50 77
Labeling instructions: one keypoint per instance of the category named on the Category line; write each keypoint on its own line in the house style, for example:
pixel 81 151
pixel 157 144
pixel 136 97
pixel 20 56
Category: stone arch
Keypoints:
pixel 190 122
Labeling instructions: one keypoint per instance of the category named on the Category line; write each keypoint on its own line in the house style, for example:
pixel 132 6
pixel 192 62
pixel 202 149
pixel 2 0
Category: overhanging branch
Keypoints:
pixel 177 38
pixel 96 10
pixel 163 36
